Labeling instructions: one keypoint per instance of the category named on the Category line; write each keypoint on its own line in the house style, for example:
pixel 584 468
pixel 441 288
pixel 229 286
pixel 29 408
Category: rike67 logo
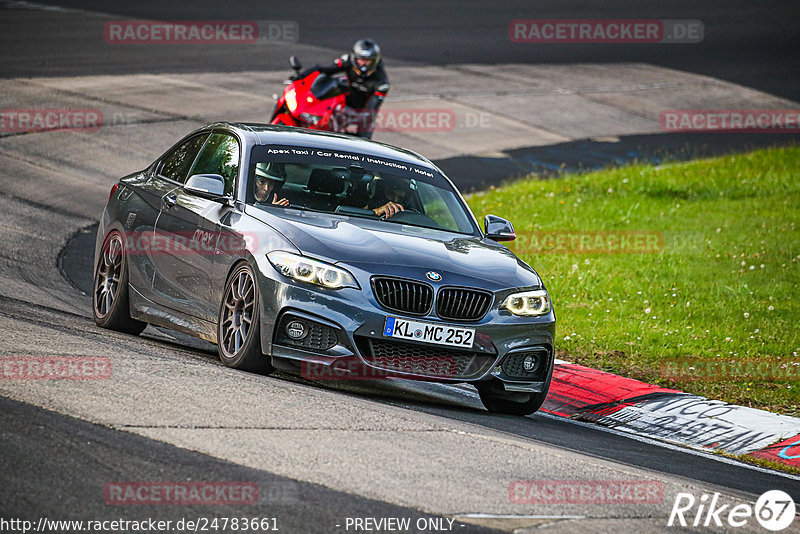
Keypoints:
pixel 774 510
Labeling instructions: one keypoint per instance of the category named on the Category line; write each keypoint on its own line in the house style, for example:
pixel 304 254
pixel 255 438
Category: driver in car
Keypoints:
pixel 391 194
pixel 266 186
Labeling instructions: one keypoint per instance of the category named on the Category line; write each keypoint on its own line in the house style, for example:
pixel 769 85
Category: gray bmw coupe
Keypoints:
pixel 327 255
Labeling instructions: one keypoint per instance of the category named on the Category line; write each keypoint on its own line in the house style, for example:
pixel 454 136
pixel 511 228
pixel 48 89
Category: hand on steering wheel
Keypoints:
pixel 389 209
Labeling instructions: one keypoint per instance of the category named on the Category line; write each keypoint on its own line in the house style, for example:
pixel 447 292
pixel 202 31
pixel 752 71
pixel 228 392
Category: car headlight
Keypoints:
pixel 316 272
pixel 311 119
pixel 528 303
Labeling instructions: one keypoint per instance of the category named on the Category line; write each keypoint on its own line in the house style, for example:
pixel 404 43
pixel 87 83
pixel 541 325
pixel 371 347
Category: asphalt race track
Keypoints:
pixel 319 453
pixel 756 47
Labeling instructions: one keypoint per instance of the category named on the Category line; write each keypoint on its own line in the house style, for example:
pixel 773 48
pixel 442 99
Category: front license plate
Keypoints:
pixel 429 332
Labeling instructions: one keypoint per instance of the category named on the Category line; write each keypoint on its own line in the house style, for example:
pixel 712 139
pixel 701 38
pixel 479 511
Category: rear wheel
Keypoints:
pixel 111 305
pixel 238 324
pixel 496 399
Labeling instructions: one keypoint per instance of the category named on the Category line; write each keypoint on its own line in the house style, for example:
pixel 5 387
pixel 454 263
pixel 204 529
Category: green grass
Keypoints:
pixel 760 462
pixel 725 287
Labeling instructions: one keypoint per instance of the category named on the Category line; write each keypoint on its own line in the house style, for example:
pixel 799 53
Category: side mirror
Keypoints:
pixel 211 186
pixel 295 64
pixel 498 229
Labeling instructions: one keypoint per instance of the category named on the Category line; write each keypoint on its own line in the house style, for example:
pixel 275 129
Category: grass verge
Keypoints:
pixel 685 275
pixel 760 462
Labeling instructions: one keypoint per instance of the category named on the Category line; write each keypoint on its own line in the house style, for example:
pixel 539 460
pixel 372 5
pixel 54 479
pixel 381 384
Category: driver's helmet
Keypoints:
pixel 272 174
pixel 366 49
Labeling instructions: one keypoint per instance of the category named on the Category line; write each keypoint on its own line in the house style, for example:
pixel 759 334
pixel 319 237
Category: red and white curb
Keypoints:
pixel 671 416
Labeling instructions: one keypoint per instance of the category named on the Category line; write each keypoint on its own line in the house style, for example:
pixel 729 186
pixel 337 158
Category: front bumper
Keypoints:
pixel 345 339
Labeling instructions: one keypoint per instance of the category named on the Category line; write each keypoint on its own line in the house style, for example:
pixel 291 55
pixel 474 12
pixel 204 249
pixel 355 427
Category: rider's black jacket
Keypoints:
pixel 366 92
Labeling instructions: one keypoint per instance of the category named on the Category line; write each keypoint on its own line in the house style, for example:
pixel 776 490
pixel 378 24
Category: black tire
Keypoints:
pixel 238 324
pixel 497 400
pixel 110 301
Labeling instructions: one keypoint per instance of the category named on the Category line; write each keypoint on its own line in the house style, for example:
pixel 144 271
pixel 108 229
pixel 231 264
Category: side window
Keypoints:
pixel 220 155
pixel 176 165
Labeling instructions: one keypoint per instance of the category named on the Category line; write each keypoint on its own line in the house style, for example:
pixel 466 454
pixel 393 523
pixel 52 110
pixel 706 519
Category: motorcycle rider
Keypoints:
pixel 368 84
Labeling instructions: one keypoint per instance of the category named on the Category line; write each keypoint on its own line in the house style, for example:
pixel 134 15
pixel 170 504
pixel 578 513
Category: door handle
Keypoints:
pixel 170 200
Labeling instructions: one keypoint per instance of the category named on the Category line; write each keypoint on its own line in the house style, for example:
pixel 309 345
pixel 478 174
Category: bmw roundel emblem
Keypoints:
pixel 432 275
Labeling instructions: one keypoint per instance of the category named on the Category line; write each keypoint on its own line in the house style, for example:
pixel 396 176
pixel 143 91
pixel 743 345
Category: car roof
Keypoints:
pixel 269 134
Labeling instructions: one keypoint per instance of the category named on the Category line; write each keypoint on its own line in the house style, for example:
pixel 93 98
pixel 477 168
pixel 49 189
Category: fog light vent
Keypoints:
pixel 297 331
pixel 526 364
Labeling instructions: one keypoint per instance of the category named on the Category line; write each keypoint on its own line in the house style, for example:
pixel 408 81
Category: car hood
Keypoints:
pixel 379 247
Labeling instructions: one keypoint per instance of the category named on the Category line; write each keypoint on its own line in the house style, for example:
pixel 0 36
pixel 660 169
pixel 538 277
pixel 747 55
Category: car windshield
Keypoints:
pixel 361 188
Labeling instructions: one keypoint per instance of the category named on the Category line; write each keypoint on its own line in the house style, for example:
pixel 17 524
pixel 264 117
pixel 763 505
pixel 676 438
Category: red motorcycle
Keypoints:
pixel 316 101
